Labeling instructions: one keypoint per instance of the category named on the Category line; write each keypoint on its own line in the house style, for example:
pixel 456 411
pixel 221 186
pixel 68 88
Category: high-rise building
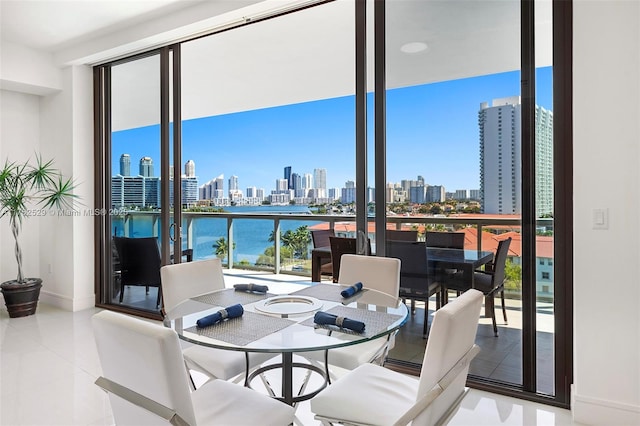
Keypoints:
pixel 320 178
pixel 296 181
pixel 500 154
pixel 146 167
pixel 282 186
pixel 287 176
pixel 307 181
pixel 435 194
pixel 461 194
pixel 320 182
pixel 233 182
pixel 125 165
pixel 138 191
pixel 348 192
pixel 417 193
pixel 212 189
pixel 190 168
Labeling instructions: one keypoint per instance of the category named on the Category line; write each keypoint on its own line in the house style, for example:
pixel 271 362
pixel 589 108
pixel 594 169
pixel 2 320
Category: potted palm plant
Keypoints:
pixel 29 189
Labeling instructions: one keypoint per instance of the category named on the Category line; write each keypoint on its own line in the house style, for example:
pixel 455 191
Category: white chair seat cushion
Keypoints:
pixel 370 394
pixel 222 403
pixel 219 363
pixel 349 357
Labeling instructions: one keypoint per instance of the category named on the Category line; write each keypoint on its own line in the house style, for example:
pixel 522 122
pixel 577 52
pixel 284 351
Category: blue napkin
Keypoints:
pixel 229 312
pixel 350 291
pixel 251 288
pixel 325 318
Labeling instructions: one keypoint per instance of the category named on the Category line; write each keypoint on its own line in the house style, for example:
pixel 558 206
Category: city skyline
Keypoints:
pixel 190 167
pixel 432 130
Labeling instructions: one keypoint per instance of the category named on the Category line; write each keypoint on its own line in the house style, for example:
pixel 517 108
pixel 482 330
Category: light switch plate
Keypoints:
pixel 600 218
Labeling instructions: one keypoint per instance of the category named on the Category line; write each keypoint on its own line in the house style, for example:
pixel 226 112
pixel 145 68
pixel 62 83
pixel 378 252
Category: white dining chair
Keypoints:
pixel 375 273
pixel 183 281
pixel 143 373
pixel 374 395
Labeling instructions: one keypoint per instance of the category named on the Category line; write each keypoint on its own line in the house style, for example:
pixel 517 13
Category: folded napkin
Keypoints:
pixel 325 318
pixel 229 312
pixel 251 287
pixel 350 291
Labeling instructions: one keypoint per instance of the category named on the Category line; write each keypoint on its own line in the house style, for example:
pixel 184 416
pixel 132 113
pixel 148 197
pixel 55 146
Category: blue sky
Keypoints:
pixel 432 131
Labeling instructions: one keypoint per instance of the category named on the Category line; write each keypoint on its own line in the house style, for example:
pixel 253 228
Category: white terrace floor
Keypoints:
pixel 49 364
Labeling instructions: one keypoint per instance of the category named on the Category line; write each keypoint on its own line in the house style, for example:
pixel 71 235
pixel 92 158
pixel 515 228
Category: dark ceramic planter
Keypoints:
pixel 21 299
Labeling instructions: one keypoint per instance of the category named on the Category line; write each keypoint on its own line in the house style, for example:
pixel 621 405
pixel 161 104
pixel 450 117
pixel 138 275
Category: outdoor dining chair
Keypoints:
pixel 489 282
pixel 320 238
pixel 417 276
pixel 143 373
pixel 139 263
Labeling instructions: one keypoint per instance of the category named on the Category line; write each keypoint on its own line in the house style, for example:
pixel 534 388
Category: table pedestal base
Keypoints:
pixel 287 365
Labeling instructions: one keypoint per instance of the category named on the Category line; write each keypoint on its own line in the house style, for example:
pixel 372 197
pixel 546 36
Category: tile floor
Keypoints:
pixel 49 364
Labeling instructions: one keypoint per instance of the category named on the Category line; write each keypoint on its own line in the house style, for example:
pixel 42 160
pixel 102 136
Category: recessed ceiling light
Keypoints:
pixel 413 47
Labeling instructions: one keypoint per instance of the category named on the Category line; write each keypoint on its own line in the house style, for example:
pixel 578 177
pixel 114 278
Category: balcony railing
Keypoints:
pixel 129 222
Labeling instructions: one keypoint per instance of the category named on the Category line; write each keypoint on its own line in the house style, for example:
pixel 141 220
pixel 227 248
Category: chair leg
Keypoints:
pixel 121 292
pixel 413 306
pixel 426 321
pixel 504 309
pixel 490 304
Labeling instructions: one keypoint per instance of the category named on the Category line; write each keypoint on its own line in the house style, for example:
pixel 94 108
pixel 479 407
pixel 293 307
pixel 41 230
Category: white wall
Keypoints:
pixel 606 262
pixel 27 70
pixel 19 139
pixel 59 125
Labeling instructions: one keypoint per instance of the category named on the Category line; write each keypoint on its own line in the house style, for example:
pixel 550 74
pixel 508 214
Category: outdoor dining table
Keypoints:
pixel 460 259
pixel 282 322
pixel 442 258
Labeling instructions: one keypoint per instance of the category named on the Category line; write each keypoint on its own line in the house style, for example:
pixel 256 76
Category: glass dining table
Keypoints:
pixel 281 321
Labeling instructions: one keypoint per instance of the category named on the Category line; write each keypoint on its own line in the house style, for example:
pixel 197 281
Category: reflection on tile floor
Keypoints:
pixel 49 364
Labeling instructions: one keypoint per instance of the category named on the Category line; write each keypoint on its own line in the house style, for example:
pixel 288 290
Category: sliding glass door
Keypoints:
pixel 417 115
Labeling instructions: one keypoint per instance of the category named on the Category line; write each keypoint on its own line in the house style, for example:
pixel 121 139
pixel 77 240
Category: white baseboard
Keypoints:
pixel 593 411
pixel 67 303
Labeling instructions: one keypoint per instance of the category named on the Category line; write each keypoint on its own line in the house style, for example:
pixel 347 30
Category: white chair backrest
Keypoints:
pixel 377 273
pixel 452 335
pixel 146 358
pixel 185 280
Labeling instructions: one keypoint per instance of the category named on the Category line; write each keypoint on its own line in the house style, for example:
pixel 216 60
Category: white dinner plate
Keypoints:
pixel 288 305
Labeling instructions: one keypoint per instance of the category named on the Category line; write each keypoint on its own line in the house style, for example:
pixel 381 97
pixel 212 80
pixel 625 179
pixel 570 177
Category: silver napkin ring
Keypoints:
pixel 339 321
pixel 224 313
pixel 250 288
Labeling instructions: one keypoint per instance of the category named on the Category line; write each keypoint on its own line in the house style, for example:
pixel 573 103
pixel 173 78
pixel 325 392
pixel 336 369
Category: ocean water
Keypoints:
pixel 250 235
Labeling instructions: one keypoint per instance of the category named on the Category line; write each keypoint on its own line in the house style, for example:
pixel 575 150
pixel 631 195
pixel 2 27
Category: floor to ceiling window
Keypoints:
pixel 268 125
pixel 268 117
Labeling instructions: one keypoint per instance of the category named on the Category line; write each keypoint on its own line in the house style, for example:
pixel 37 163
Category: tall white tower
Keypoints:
pixel 320 182
pixel 501 153
pixel 190 168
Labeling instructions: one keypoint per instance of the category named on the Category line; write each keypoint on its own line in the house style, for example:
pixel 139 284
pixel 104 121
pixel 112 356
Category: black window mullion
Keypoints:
pixel 164 154
pixel 361 118
pixel 528 89
pixel 177 155
pixel 380 95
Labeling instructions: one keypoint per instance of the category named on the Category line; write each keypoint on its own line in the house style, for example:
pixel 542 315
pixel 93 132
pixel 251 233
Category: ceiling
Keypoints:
pixel 299 57
pixel 52 25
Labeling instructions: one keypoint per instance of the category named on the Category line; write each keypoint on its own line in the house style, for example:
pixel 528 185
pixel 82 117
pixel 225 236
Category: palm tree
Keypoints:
pixel 222 248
